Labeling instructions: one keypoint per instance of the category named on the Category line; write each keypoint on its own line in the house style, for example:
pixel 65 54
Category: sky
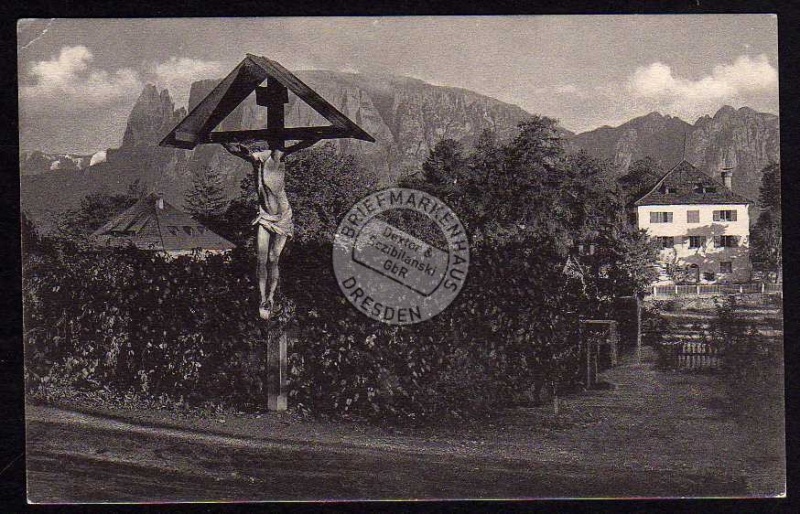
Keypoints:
pixel 79 78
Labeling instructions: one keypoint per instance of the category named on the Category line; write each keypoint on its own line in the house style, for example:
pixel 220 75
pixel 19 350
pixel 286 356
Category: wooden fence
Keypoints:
pixel 711 290
pixel 692 355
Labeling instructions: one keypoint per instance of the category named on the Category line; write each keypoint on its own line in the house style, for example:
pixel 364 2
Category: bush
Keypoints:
pixel 186 330
pixel 753 365
pixel 505 334
pixel 131 321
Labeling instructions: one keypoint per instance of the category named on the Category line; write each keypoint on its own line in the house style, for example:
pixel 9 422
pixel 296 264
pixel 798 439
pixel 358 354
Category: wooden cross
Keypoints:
pixel 197 127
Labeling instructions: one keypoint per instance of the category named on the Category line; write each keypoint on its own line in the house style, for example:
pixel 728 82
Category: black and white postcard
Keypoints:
pixel 418 258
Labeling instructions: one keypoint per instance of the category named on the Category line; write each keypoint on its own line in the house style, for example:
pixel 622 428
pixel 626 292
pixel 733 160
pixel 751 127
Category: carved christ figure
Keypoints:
pixel 274 220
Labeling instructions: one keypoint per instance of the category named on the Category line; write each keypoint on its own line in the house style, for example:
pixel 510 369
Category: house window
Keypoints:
pixel 188 230
pixel 726 241
pixel 726 267
pixel 697 241
pixel 708 276
pixel 665 189
pixel 172 230
pixel 704 189
pixel 727 215
pixel 692 216
pixel 666 241
pixel 660 217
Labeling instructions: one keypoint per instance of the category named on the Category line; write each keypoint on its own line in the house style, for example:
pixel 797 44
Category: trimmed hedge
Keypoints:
pixel 186 331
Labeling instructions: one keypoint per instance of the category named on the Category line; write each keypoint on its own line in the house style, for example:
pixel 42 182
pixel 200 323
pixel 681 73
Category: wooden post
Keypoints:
pixel 614 343
pixel 276 371
pixel 589 382
pixel 273 97
pixel 638 329
pixel 554 391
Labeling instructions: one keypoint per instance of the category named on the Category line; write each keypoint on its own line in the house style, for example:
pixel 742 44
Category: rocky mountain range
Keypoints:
pixel 406 116
pixel 741 139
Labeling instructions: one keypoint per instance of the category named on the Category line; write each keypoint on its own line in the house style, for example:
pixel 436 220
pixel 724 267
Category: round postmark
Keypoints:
pixel 390 274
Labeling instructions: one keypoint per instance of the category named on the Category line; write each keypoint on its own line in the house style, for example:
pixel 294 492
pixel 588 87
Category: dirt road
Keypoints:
pixel 656 434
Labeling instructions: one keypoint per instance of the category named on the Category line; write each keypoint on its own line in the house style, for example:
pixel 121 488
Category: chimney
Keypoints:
pixel 727 178
pixel 160 201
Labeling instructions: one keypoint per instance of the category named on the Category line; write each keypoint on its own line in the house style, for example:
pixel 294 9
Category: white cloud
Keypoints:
pixel 567 89
pixel 746 81
pixel 177 75
pixel 69 82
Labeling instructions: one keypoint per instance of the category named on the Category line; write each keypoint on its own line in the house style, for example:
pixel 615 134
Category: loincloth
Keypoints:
pixel 280 224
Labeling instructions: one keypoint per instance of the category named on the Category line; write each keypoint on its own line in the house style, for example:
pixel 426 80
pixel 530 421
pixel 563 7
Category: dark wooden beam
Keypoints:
pixel 284 134
pixel 196 127
pixel 300 145
pixel 223 99
pixel 276 97
pixel 309 96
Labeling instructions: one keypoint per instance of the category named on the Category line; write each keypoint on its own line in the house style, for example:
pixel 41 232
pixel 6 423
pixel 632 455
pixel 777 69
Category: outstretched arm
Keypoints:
pixel 239 150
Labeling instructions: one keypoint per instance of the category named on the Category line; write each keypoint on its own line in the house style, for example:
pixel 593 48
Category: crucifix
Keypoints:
pixel 265 149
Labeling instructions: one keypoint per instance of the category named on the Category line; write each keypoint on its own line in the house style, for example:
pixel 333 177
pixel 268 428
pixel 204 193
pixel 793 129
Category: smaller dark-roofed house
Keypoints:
pixel 154 224
pixel 702 226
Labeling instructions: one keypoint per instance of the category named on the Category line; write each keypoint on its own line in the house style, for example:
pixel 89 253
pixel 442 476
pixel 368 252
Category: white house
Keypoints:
pixel 155 225
pixel 702 226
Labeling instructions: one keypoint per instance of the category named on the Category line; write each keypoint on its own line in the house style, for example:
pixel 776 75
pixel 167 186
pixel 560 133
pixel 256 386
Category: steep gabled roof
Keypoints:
pixel 150 227
pixel 683 181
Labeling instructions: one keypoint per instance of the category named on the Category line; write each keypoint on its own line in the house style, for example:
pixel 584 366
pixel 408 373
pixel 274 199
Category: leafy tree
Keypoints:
pixel 528 205
pixel 445 163
pixel 769 194
pixel 206 198
pixel 488 155
pixel 322 185
pixel 29 236
pixel 137 189
pixel 95 210
pixel 531 189
pixel 624 265
pixel 527 189
pixel 235 224
pixel 642 175
pixel 462 181
pixel 767 236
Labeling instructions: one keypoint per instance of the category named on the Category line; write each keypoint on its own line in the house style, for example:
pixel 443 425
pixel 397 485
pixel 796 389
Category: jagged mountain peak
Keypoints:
pixel 744 139
pixel 151 117
pixel 724 111
pixel 654 115
pixel 655 119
